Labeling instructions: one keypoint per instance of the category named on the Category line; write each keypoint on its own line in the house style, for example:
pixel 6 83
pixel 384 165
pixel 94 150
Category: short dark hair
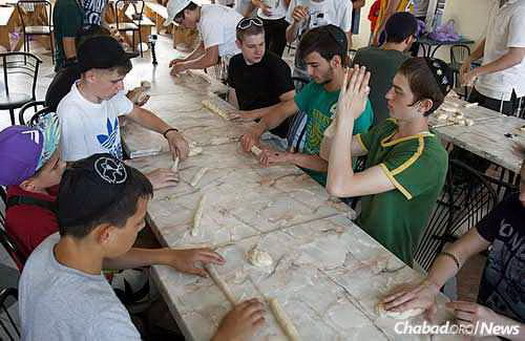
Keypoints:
pixel 137 186
pixel 422 82
pixel 328 41
pixel 191 7
pixel 400 26
pixel 252 30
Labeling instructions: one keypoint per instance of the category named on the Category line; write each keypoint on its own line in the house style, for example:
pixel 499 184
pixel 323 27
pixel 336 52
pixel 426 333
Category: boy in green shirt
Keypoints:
pixel 406 164
pixel 324 51
pixel 68 16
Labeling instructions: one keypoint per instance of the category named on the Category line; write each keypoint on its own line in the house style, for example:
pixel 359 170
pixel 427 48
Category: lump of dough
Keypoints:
pixel 403 315
pixel 145 84
pixel 442 117
pixel 259 258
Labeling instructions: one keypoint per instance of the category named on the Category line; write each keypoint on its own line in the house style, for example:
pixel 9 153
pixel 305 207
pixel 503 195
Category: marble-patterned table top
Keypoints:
pixel 493 139
pixel 327 273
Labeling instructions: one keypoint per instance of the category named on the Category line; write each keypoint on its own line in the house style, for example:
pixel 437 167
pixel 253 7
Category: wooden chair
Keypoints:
pixel 20 73
pixel 36 17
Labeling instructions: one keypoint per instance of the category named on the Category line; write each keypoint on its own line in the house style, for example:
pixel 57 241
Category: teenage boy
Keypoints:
pixel 259 80
pixel 101 207
pixel 89 112
pixel 216 25
pixel 406 165
pixel 501 297
pixel 324 51
pixel 383 62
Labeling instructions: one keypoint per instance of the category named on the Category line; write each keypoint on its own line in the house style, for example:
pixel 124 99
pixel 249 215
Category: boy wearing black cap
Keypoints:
pixel 101 208
pixel 89 112
pixel 383 62
pixel 406 164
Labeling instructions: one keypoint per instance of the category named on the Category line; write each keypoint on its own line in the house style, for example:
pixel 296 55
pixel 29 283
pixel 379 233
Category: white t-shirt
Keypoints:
pixel 506 28
pixel 60 303
pixel 217 27
pixel 278 11
pixel 89 128
pixel 243 6
pixel 335 12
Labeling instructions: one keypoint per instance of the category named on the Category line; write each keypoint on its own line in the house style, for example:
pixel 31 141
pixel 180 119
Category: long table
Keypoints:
pixel 327 273
pixel 493 136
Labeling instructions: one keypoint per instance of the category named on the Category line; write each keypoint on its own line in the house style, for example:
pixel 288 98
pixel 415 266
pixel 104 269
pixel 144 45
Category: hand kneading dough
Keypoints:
pixel 259 258
pixel 380 310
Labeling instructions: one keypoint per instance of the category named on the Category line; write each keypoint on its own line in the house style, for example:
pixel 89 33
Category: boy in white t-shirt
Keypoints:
pixel 89 112
pixel 216 25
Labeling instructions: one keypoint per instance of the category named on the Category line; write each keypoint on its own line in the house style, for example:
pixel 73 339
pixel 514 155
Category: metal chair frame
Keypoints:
pixel 14 332
pixel 47 29
pixel 137 15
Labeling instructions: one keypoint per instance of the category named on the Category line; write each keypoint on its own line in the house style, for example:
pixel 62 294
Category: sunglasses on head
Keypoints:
pixel 248 22
pixel 179 18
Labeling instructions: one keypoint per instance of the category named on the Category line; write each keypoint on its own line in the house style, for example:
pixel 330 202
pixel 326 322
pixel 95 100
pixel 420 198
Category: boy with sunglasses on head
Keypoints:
pixel 406 164
pixel 324 51
pixel 259 80
pixel 216 25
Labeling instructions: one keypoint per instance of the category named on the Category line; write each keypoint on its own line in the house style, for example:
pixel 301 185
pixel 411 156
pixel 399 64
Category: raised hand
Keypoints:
pixel 354 93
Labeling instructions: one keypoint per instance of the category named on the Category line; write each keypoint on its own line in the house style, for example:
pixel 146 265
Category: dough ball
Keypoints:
pixel 259 258
pixel 404 315
pixel 469 122
pixel 442 116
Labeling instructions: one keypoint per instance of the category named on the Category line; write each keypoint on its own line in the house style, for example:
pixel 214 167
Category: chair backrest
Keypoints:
pixel 35 13
pixel 458 54
pixel 36 108
pixel 20 72
pixel 133 8
pixel 466 198
pixel 8 325
pixel 5 240
pixel 3 205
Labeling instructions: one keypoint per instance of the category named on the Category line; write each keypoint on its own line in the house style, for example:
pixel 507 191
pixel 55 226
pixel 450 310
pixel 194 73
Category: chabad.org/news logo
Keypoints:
pixel 448 328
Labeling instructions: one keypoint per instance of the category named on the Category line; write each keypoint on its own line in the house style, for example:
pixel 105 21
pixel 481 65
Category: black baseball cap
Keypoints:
pixel 89 187
pixel 101 52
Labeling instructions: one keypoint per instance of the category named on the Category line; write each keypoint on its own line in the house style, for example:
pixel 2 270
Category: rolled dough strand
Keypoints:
pixel 286 324
pixel 175 167
pixel 197 177
pixel 221 284
pixel 213 107
pixel 198 215
pixel 256 150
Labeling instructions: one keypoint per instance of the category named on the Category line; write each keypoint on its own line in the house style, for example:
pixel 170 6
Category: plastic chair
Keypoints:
pixel 8 296
pixel 36 112
pixel 135 9
pixel 31 12
pixel 466 198
pixel 20 73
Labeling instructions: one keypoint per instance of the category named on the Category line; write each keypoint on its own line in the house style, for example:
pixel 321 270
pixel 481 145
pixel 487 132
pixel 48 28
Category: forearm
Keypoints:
pixel 313 162
pixel 70 50
pixel 135 258
pixel 204 61
pixel 291 32
pixel 340 160
pixel 477 53
pixel 274 118
pixel 148 120
pixel 199 51
pixel 504 62
pixel 261 112
pixel 506 321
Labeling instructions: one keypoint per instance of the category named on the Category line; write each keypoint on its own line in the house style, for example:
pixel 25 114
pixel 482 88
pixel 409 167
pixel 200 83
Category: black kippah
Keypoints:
pixel 441 72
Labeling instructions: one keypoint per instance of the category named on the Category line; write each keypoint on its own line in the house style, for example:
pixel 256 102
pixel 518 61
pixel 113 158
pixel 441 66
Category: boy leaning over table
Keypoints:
pixel 406 164
pixel 101 207
pixel 501 297
pixel 89 112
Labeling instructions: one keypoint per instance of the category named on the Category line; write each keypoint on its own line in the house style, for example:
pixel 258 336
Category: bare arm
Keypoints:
pixel 209 58
pixel 258 113
pixel 357 149
pixel 508 60
pixel 232 98
pixel 70 50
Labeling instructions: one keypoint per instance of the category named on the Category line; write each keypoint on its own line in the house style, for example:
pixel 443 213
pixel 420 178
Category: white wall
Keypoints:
pixel 470 17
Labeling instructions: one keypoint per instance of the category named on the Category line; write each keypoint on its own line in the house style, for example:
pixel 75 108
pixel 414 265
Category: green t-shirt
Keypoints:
pixel 67 20
pixel 417 166
pixel 320 107
pixel 383 66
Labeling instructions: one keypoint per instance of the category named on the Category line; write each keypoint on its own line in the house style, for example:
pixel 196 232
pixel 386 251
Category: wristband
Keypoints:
pixel 165 133
pixel 450 255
